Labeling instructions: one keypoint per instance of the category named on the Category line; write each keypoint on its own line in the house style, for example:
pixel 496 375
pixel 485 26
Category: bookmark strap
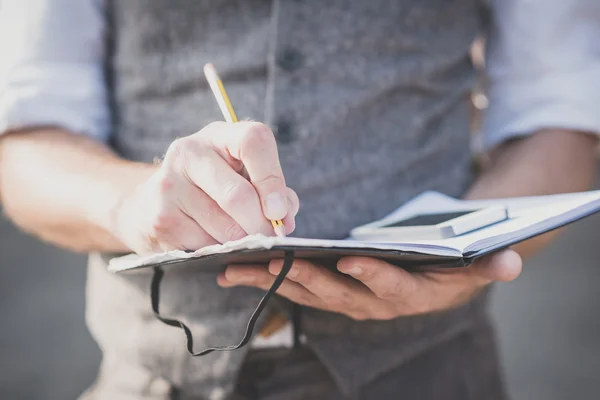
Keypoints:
pixel 288 260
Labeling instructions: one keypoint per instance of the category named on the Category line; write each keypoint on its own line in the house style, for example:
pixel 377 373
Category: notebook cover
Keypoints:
pixel 327 257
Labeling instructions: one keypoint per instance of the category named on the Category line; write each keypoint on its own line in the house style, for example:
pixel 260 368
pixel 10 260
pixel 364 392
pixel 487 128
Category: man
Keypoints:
pixel 364 105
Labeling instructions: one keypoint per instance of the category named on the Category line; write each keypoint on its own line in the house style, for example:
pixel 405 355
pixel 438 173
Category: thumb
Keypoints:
pixel 503 266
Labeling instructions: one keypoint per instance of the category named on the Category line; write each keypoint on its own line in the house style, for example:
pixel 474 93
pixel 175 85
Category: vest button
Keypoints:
pixel 283 131
pixel 289 58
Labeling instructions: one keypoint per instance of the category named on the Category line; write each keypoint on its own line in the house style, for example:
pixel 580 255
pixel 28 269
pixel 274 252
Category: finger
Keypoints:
pixel 408 293
pixel 178 232
pixel 293 205
pixel 293 202
pixel 254 144
pixel 336 291
pixel 258 276
pixel 234 194
pixel 503 266
pixel 207 213
pixel 192 236
pixel 386 281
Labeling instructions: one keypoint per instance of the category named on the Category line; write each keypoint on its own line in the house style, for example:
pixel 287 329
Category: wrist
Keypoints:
pixel 550 161
pixel 118 192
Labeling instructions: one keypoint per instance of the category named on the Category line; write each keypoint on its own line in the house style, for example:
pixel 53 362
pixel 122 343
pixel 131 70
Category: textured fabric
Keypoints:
pixel 51 69
pixel 540 63
pixel 545 78
pixel 145 350
pixel 464 367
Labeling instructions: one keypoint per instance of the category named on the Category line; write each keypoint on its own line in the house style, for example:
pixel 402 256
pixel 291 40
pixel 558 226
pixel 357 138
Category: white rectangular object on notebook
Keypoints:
pixel 432 226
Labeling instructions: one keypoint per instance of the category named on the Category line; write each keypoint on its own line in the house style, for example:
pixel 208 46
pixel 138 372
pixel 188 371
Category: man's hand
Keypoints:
pixel 219 184
pixel 216 185
pixel 548 162
pixel 373 289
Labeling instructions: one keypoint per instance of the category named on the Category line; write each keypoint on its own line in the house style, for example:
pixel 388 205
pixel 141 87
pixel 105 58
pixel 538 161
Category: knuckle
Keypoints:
pixel 270 180
pixel 306 276
pixel 305 299
pixel 234 232
pixel 181 150
pixel 309 301
pixel 162 224
pixel 236 194
pixel 392 291
pixel 165 183
pixel 177 148
pixel 257 135
pixel 388 293
pixel 177 153
pixel 212 127
pixel 339 300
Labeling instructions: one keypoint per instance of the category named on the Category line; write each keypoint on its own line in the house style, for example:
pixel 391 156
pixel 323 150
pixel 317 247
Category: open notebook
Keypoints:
pixel 528 217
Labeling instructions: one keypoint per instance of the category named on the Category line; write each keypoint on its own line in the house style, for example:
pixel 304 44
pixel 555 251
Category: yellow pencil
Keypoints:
pixel 220 94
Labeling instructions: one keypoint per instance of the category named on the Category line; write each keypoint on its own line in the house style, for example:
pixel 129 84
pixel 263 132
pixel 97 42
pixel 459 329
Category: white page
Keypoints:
pixel 267 242
pixel 435 202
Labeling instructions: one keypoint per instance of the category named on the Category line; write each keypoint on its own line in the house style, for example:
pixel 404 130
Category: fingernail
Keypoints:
pixel 354 271
pixel 293 273
pixel 276 207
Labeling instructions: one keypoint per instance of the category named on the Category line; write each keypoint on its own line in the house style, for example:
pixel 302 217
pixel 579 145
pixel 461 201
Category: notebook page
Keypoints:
pixel 525 212
pixel 267 242
pixel 435 202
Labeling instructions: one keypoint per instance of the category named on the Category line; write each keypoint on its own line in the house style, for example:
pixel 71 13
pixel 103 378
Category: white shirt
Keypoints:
pixel 543 65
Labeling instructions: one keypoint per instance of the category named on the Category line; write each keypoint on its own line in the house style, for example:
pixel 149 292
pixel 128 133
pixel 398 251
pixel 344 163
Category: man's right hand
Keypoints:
pixel 219 184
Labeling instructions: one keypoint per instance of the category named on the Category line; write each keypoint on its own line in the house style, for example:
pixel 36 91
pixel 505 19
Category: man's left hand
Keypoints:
pixel 372 289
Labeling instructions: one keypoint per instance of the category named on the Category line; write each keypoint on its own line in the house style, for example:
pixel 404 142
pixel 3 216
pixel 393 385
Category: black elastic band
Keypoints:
pixel 288 260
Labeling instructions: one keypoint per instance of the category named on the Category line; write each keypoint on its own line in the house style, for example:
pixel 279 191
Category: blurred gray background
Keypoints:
pixel 548 320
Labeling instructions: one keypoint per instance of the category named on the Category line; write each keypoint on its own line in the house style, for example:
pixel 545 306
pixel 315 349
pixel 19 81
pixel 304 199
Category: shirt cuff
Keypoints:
pixel 72 97
pixel 566 100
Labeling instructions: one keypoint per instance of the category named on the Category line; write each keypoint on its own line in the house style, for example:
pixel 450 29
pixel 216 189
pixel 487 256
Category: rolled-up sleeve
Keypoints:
pixel 543 68
pixel 51 66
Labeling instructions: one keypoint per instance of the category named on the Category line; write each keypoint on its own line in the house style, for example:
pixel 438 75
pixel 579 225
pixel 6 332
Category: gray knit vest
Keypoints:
pixel 368 100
